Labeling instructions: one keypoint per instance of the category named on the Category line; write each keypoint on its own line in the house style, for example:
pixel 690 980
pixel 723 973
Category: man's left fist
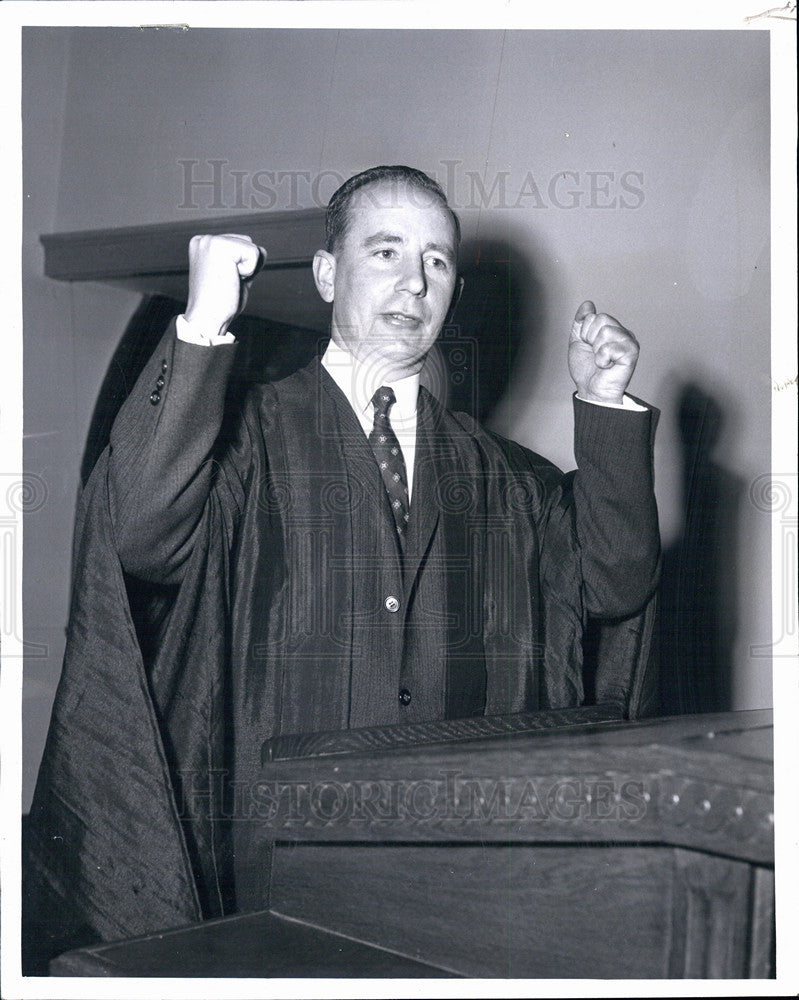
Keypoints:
pixel 602 355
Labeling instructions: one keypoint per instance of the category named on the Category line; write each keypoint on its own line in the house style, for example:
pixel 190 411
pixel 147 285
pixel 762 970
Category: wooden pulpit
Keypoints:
pixel 495 848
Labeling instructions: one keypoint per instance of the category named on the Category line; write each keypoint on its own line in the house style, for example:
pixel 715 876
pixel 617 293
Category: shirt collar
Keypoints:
pixel 359 381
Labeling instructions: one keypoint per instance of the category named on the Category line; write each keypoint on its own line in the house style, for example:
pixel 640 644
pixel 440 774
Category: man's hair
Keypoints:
pixel 337 218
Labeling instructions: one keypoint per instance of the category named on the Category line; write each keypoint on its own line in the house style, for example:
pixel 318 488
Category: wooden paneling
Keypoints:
pixel 527 911
pixel 762 955
pixel 710 917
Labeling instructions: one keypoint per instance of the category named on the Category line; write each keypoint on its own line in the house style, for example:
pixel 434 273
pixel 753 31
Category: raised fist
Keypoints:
pixel 221 269
pixel 602 355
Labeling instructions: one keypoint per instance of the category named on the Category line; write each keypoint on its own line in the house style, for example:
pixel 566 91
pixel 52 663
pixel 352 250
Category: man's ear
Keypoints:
pixel 456 297
pixel 324 274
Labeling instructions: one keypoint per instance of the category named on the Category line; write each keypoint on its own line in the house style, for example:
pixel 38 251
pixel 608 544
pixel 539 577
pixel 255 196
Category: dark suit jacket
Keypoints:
pixel 263 532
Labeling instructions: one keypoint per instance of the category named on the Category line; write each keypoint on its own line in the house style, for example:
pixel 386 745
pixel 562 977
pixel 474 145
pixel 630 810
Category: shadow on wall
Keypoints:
pixel 697 600
pixel 501 306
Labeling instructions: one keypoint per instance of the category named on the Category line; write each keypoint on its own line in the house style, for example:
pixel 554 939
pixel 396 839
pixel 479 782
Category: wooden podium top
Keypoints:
pixel 254 945
pixel 703 781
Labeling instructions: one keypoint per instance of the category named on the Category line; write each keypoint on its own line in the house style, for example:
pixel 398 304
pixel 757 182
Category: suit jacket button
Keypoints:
pixel 392 604
pixel 155 397
pixel 405 696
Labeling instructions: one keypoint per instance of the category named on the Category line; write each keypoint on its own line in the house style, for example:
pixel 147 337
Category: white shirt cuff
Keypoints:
pixel 627 404
pixel 193 333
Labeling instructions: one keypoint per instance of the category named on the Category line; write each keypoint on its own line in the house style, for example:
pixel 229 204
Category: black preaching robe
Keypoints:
pixel 233 568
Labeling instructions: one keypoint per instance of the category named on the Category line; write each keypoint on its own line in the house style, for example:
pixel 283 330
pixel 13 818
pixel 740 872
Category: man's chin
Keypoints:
pixel 392 352
pixel 389 367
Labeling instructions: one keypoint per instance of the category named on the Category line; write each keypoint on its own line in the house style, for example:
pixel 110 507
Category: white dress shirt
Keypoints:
pixel 359 381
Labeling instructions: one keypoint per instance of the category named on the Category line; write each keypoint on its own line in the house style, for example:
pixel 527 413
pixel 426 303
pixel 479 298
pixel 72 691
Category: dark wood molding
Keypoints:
pixel 291 239
pixel 153 260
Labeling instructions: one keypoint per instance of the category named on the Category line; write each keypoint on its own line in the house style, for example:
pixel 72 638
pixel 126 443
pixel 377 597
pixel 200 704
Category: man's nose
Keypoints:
pixel 412 278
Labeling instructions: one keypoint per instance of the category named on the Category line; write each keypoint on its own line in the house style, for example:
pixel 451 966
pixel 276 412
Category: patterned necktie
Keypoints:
pixel 389 457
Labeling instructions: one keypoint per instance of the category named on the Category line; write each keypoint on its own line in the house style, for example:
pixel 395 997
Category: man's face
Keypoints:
pixel 391 278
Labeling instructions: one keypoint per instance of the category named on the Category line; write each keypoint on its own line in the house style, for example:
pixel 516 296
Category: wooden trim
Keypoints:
pixel 762 946
pixel 291 746
pixel 710 917
pixel 291 239
pixel 661 782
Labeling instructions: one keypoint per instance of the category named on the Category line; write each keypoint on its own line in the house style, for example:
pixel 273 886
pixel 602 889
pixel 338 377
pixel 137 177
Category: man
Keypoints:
pixel 332 550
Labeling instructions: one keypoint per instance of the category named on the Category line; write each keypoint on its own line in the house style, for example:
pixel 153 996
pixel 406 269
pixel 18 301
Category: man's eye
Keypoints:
pixel 438 263
pixel 386 253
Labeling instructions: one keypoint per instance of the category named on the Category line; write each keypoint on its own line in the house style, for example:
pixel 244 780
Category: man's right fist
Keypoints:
pixel 221 269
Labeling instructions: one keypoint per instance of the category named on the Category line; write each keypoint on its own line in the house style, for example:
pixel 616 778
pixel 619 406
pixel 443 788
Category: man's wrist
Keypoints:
pixel 627 403
pixel 197 332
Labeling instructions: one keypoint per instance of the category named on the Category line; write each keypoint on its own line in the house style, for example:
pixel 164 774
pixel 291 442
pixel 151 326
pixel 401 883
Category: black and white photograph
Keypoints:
pixel 400 540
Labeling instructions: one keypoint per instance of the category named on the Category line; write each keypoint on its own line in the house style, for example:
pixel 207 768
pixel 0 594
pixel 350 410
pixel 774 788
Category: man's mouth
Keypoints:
pixel 402 319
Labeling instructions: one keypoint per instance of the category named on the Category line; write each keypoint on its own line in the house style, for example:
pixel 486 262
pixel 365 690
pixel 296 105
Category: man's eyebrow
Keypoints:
pixel 443 248
pixel 384 236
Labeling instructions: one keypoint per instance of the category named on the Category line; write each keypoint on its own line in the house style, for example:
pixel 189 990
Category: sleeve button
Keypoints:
pixel 405 696
pixel 155 397
pixel 159 382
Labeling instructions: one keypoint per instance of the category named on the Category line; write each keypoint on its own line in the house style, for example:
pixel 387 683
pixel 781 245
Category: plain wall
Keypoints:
pixel 532 133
